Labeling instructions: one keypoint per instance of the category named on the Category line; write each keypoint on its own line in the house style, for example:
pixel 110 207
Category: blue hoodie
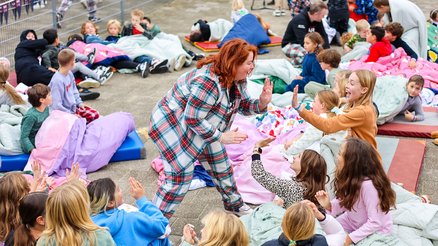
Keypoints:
pixel 135 228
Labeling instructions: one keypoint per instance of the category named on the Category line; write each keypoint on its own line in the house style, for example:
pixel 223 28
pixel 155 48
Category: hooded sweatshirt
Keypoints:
pixel 379 49
pixel 135 228
pixel 27 65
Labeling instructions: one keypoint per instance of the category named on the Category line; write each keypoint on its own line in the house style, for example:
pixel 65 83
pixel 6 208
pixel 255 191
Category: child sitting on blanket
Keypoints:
pixel 114 30
pixel 237 10
pixel 89 29
pixel 326 106
pixel 137 27
pixel 413 109
pixel 359 116
pixel 8 94
pixel 393 32
pixel 220 228
pixel 40 98
pixel 32 208
pixel 303 186
pixel 65 94
pixel 380 46
pixel 312 70
pixel 144 226
pixel 113 27
pixel 362 28
pixel 329 60
pixel 298 227
pixel 50 61
pixel 363 193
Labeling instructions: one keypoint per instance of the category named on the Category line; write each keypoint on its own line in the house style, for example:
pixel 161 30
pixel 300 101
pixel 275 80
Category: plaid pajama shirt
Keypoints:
pixel 65 4
pixel 186 125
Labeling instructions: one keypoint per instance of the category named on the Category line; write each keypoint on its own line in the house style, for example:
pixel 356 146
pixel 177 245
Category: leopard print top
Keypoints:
pixel 291 191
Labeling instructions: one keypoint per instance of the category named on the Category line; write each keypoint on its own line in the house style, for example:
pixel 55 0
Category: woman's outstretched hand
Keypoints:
pixel 266 96
pixel 233 137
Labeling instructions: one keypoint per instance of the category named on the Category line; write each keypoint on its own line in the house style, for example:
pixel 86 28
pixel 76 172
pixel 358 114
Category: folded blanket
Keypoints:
pixel 10 128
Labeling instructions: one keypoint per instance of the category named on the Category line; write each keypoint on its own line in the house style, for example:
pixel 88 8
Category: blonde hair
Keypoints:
pixel 13 187
pixel 330 100
pixel 367 79
pixel 138 13
pixel 362 25
pixel 13 94
pixel 237 4
pixel 298 222
pixel 68 217
pixel 101 192
pixel 114 22
pixel 223 228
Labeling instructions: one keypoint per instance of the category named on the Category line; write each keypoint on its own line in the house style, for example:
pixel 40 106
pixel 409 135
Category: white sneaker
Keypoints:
pixel 244 210
pixel 276 13
pixel 180 62
pixel 89 83
pixel 283 12
pixel 105 77
pixel 171 64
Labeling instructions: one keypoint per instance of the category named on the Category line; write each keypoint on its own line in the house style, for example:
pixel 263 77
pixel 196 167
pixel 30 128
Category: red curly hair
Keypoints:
pixel 225 63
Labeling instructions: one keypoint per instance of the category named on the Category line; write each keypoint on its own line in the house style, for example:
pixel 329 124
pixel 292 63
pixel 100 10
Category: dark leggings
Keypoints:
pixel 129 64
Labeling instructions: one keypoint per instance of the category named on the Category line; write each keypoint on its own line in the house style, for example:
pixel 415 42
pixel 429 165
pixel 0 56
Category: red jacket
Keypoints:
pixel 379 49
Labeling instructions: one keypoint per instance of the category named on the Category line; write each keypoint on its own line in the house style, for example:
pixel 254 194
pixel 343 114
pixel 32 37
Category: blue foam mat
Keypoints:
pixel 131 149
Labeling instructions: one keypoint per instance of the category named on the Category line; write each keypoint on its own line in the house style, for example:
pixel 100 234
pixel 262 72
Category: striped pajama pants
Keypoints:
pixel 65 4
pixel 215 160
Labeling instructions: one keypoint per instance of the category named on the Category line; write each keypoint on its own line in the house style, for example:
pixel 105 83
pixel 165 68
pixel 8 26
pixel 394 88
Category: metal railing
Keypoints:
pixel 19 15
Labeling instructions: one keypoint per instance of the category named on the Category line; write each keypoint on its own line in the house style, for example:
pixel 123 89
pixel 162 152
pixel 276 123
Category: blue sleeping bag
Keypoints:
pixel 249 29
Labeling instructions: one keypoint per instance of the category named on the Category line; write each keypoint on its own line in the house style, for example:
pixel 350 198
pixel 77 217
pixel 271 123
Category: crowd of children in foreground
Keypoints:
pixel 92 214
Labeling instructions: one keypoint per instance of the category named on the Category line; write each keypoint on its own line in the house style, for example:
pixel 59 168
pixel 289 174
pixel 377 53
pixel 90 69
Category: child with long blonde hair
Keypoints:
pixel 341 80
pixel 237 10
pixel 325 105
pixel 8 95
pixel 298 227
pixel 220 228
pixel 68 219
pixel 363 193
pixel 359 115
pixel 312 71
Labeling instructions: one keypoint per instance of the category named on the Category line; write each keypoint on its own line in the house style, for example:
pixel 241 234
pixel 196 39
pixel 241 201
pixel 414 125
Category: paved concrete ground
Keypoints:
pixel 138 96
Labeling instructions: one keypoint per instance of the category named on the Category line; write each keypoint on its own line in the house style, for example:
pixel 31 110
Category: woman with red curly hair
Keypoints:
pixel 192 122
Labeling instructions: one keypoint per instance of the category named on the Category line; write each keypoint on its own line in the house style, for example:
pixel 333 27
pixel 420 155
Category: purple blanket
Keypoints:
pixel 64 139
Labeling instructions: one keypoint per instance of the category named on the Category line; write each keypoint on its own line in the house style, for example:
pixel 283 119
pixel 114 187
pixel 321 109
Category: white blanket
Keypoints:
pixel 10 128
pixel 163 46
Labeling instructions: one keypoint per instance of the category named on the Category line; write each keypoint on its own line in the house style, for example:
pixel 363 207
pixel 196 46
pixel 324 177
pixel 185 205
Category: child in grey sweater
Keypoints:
pixel 413 109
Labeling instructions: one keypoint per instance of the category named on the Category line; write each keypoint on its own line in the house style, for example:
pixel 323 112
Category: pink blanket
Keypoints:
pixel 273 161
pixel 397 64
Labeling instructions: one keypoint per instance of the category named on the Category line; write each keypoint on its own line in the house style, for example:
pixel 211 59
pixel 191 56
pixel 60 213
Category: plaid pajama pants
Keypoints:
pixel 65 4
pixel 88 113
pixel 215 160
pixel 295 52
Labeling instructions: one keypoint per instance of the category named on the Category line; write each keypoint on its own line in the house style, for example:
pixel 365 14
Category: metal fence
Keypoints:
pixel 39 15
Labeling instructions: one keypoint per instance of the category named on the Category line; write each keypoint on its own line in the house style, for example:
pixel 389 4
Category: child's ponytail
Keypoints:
pixel 330 100
pixel 317 39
